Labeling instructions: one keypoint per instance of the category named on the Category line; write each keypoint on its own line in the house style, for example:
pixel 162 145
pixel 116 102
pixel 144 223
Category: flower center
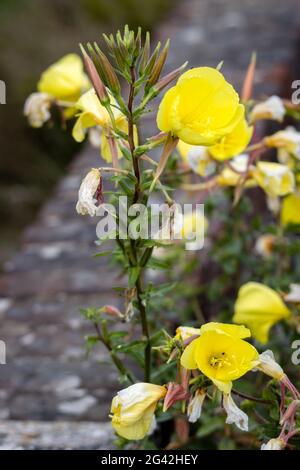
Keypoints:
pixel 219 360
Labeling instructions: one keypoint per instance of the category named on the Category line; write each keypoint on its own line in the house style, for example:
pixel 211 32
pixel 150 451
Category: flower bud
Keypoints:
pixel 108 72
pixel 95 79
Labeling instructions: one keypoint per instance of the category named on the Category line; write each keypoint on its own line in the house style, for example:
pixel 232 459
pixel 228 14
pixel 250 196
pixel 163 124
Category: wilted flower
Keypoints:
pixel 275 179
pixel 290 209
pixel 269 366
pixel 234 414
pixel 220 356
pixel 288 139
pixel 294 294
pixel 264 245
pixel 201 108
pixel 37 109
pixel 272 108
pixel 198 158
pixel 133 409
pixel 195 405
pixel 87 203
pixel 259 307
pixel 231 175
pixel 274 444
pixel 232 143
pixel 64 80
pixel 185 332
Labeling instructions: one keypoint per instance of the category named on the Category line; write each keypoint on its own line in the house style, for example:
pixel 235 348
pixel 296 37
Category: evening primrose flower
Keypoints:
pixel 133 409
pixel 290 209
pixel 232 143
pixel 234 414
pixel 64 80
pixel 194 409
pixel 259 307
pixel 288 139
pixel 221 357
pixel 274 444
pixel 198 158
pixel 37 109
pixel 87 203
pixel 272 108
pixel 275 179
pixel 201 108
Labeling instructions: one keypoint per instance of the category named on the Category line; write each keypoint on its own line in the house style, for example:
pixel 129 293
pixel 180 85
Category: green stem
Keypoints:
pixel 145 329
pixel 116 360
pixel 133 250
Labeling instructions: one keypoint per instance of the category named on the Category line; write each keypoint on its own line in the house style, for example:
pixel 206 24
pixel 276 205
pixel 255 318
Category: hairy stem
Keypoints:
pixel 116 360
pixel 133 249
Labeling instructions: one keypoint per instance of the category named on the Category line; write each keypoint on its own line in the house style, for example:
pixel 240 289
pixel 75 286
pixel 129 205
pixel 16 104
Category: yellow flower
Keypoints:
pixel 259 307
pixel 288 139
pixel 290 209
pixel 221 357
pixel 133 409
pixel 233 143
pixel 64 80
pixel 197 157
pixel 275 179
pixel 201 108
pixel 92 113
pixel 272 108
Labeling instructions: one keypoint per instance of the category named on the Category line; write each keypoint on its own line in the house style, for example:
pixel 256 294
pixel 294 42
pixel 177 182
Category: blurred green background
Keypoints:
pixel 34 34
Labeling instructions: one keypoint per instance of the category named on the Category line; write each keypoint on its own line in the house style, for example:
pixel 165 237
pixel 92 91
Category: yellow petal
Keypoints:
pixel 290 209
pixel 201 108
pixel 233 143
pixel 65 79
pixel 259 307
pixel 223 357
pixel 232 330
pixel 188 360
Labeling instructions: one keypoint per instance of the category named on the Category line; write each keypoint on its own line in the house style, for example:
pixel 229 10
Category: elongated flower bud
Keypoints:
pixel 108 71
pixel 156 71
pixel 94 77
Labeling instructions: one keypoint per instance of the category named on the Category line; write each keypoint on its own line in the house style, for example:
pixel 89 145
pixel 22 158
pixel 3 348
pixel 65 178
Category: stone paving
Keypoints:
pixel 47 377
